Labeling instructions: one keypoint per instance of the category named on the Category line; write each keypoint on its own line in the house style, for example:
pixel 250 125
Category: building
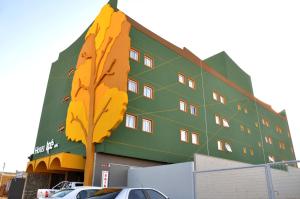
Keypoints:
pixel 178 105
pixel 5 178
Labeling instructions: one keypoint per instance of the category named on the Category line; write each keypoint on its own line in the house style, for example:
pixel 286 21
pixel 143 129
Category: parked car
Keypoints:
pixel 128 193
pixel 46 193
pixel 76 193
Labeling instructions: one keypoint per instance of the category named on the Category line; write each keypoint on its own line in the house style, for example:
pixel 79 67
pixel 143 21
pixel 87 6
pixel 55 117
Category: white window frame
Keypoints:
pixel 220 145
pixel 271 158
pixel 192 107
pixel 191 83
pixel 147 125
pixel 218 120
pixel 148 61
pixel 225 123
pixel 134 55
pixel 195 136
pixel 222 99
pixel 184 133
pixel 215 96
pixel 135 84
pixel 181 78
pixel 129 122
pixel 182 104
pixel 228 147
pixel 148 94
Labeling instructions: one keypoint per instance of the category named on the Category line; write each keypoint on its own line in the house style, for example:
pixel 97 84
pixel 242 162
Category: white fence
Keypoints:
pixel 217 178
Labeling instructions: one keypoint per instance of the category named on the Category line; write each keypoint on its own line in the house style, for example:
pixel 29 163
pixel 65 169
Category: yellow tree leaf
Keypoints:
pixel 76 129
pixel 110 112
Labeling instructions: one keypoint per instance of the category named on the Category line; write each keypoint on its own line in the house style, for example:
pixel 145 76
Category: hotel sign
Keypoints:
pixel 47 147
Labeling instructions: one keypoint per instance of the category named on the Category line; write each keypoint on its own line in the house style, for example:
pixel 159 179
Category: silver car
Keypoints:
pixel 128 193
pixel 76 193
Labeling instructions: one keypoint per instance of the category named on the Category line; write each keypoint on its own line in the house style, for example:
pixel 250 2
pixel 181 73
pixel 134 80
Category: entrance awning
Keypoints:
pixel 57 162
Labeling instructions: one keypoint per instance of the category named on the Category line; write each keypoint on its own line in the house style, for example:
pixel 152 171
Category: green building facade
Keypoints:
pixel 220 116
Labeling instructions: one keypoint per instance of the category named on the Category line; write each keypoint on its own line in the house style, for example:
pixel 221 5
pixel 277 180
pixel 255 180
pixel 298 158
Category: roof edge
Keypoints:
pixel 196 60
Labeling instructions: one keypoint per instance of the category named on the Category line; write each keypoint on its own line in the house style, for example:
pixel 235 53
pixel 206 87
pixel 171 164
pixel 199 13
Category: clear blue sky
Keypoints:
pixel 261 36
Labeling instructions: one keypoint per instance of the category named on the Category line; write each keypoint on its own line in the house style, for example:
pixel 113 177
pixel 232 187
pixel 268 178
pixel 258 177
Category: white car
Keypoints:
pixel 128 193
pixel 46 193
pixel 76 193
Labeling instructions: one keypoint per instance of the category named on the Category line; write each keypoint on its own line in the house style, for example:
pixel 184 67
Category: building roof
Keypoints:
pixel 222 63
pixel 184 52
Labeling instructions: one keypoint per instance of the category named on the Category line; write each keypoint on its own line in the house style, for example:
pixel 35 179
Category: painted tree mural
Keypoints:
pixel 99 88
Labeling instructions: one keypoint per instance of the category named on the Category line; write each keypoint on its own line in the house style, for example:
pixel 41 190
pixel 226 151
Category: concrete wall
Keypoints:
pixel 242 183
pixel 175 180
pixel 117 167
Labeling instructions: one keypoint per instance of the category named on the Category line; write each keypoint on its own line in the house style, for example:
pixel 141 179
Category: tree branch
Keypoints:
pixel 102 55
pixel 80 86
pixel 106 73
pixel 76 119
pixel 104 110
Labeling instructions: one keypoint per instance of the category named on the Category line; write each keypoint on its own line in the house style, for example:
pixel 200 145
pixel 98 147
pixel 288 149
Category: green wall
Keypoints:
pixel 164 143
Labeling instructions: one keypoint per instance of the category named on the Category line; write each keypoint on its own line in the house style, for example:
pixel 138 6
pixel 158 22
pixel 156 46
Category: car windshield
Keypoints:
pixel 62 193
pixel 106 194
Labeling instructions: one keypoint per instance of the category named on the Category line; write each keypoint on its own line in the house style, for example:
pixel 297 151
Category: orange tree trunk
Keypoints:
pixel 89 164
pixel 90 147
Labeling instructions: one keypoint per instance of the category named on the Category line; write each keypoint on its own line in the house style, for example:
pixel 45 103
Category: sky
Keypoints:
pixel 261 36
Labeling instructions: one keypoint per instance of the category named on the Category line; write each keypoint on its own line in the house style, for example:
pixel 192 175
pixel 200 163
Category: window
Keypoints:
pixel 131 121
pixel 221 121
pixel 132 86
pixel 86 193
pixel 219 98
pixel 148 92
pixel 268 139
pixel 147 126
pixel 222 99
pixel 265 122
pixel 191 83
pixel 181 78
pixel 244 150
pixel 148 61
pixel 182 105
pixel 228 147
pixel 239 107
pixel 134 54
pixel 259 144
pixel 184 135
pixel 218 120
pixel 193 110
pixel 136 194
pixel 281 145
pixel 251 152
pixel 225 123
pixel 215 96
pixel 195 138
pixel 222 146
pixel 242 127
pixel 154 194
pixel 271 158
pixel 248 131
pixel 278 129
